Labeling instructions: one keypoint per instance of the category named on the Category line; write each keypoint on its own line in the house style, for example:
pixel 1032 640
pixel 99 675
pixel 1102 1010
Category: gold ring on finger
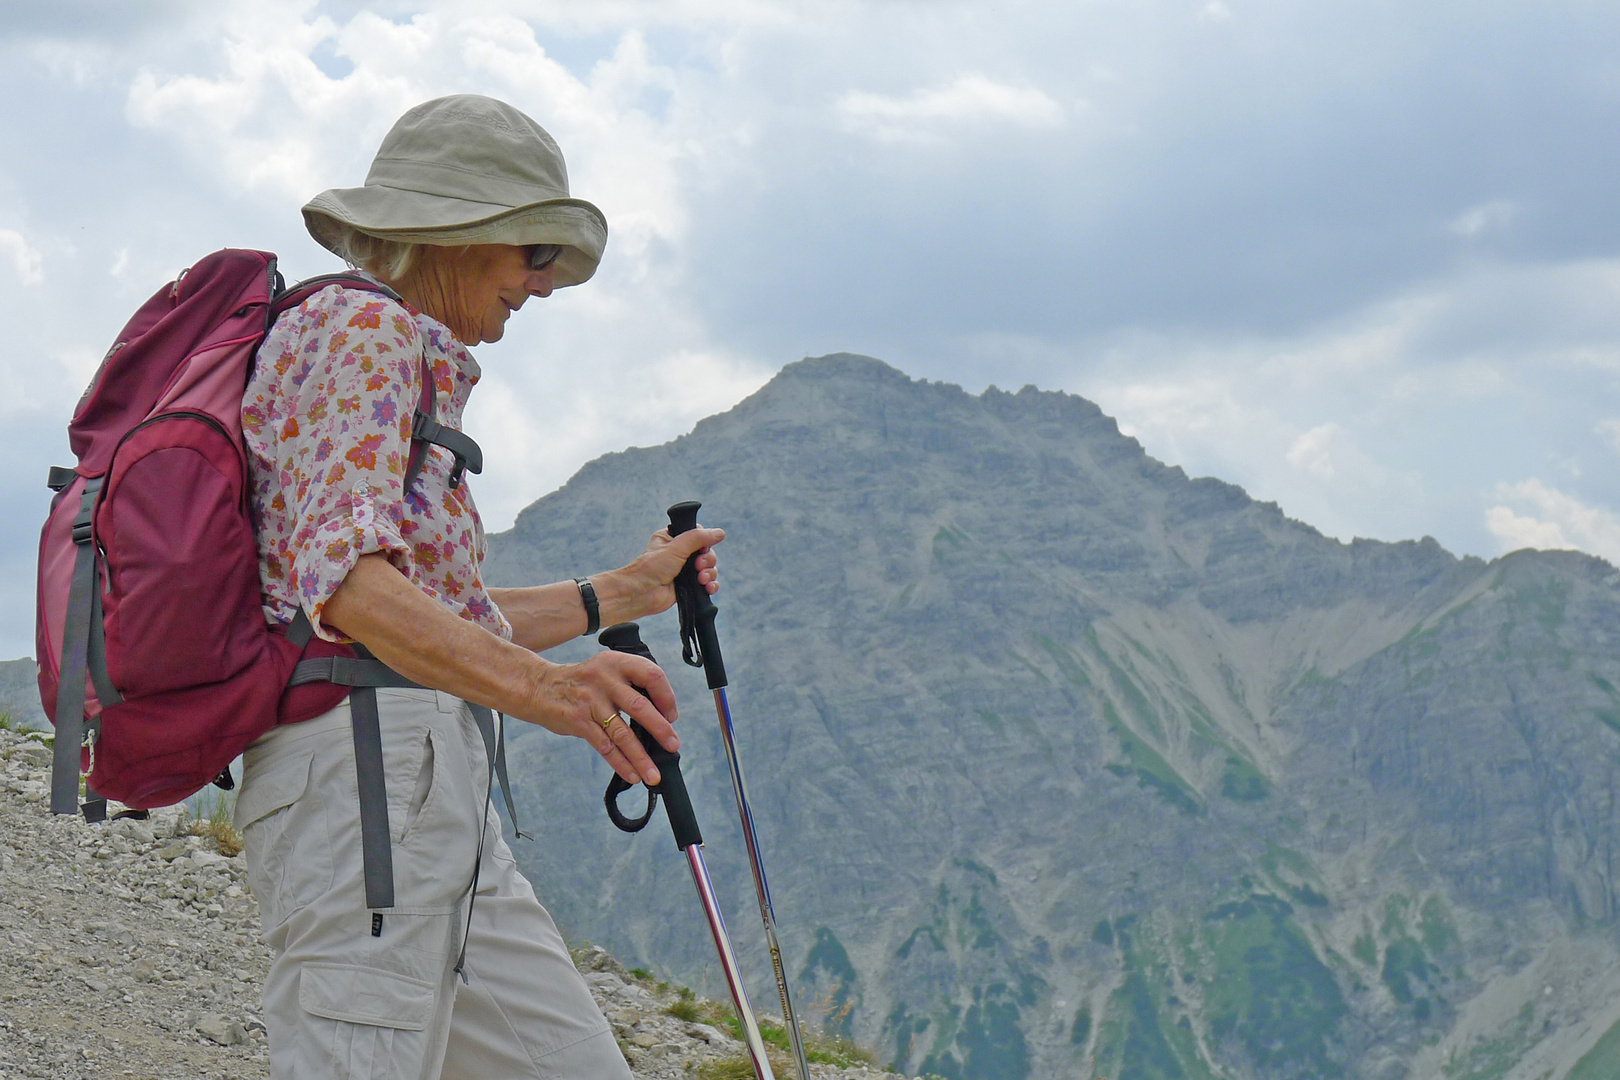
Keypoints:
pixel 606 721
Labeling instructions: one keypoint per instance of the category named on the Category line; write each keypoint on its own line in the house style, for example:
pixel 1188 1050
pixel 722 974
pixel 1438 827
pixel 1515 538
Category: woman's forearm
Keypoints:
pixel 425 641
pixel 545 616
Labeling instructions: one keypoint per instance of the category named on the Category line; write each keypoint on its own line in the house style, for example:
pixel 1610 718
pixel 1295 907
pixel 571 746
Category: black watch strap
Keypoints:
pixel 587 596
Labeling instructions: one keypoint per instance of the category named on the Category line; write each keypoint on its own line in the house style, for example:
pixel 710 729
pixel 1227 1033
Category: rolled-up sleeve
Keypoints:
pixel 351 381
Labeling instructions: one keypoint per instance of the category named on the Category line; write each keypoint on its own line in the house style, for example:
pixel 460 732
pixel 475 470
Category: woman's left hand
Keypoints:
pixel 648 582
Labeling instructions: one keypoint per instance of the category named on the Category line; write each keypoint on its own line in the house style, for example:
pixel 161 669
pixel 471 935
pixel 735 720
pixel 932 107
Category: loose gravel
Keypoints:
pixel 130 950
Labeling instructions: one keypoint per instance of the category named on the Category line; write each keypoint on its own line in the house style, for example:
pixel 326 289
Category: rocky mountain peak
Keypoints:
pixel 1061 756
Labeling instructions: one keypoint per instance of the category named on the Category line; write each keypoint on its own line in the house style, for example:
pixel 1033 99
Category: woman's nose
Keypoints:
pixel 540 282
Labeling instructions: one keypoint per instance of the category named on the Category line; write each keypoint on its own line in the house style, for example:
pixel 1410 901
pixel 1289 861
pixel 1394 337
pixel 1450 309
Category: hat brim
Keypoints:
pixel 417 217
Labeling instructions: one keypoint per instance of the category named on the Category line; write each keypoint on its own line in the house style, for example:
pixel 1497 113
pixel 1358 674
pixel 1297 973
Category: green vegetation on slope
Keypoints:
pixel 828 965
pixel 1602 1062
pixel 1410 970
pixel 990 1040
pixel 1269 991
pixel 1141 1037
pixel 1242 782
pixel 1490 1059
pixel 977 1031
pixel 1150 768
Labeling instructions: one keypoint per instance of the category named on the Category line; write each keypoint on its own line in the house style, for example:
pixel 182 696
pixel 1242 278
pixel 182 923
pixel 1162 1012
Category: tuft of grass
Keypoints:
pixel 213 821
pixel 10 721
pixel 685 1007
pixel 733 1068
pixel 819 1047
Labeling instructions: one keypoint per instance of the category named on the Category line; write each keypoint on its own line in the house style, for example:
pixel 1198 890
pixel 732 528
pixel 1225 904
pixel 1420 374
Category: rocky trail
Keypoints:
pixel 131 949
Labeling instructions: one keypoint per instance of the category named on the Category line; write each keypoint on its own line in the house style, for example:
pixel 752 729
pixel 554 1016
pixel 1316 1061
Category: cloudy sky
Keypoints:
pixel 1361 257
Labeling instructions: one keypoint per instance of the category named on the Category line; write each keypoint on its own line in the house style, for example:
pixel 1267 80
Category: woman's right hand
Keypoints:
pixel 574 699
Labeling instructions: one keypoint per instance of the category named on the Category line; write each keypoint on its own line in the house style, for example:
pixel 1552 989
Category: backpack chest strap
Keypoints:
pixel 426 431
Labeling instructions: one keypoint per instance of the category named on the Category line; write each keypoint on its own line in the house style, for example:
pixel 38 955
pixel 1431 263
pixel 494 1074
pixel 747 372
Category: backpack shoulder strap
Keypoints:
pixel 425 430
pixel 420 439
pixel 299 291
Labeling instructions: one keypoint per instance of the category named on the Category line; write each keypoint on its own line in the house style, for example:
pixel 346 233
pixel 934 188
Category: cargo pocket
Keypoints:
pixel 284 836
pixel 361 995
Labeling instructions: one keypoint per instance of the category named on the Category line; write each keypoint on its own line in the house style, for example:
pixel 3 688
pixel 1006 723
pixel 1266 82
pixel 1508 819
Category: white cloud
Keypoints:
pixel 970 99
pixel 1312 452
pixel 1487 217
pixel 1553 520
pixel 727 134
pixel 25 258
pixel 1609 431
pixel 546 424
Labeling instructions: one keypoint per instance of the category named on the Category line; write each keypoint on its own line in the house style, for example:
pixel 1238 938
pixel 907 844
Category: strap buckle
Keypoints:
pixel 469 456
pixel 60 477
pixel 82 521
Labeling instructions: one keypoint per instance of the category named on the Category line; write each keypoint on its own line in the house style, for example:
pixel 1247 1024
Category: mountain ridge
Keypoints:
pixel 1059 754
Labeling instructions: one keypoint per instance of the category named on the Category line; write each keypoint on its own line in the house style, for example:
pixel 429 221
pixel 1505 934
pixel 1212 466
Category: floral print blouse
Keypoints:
pixel 327 419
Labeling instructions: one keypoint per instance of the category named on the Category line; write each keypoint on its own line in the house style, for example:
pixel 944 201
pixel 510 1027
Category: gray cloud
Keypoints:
pixel 1360 258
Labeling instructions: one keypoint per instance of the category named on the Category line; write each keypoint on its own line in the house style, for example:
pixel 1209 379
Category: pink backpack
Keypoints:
pixel 155 660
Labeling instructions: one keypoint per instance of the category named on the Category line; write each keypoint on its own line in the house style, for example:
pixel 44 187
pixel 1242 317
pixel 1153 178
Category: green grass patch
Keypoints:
pixel 1404 966
pixel 1602 1062
pixel 1141 1037
pixel 685 1008
pixel 1269 993
pixel 1125 681
pixel 1068 666
pixel 1080 1033
pixel 1494 1058
pixel 989 1042
pixel 829 964
pixel 1151 770
pixel 1436 928
pixel 820 1048
pixel 1308 896
pixel 1242 782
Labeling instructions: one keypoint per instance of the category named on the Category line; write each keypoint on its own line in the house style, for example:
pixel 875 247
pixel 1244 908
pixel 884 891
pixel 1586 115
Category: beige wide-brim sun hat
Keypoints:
pixel 467 169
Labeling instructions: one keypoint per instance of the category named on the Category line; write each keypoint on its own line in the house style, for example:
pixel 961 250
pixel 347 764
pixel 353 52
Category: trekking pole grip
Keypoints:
pixel 626 638
pixel 697 610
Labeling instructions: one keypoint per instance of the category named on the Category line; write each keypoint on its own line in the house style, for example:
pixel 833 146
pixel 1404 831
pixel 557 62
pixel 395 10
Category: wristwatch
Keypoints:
pixel 587 596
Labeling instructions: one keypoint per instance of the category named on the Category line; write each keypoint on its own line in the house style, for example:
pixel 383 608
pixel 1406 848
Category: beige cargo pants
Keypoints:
pixel 345 1004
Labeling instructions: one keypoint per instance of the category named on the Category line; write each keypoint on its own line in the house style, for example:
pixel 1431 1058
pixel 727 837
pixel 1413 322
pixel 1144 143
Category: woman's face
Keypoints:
pixel 475 290
pixel 496 280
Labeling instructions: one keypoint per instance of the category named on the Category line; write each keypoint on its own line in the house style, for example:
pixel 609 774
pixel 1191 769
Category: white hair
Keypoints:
pixel 388 259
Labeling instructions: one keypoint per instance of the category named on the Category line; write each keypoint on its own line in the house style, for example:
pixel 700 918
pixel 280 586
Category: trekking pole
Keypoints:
pixel 626 638
pixel 700 647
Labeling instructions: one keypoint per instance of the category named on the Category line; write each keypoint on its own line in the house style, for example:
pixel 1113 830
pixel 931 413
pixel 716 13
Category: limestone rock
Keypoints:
pixel 1058 754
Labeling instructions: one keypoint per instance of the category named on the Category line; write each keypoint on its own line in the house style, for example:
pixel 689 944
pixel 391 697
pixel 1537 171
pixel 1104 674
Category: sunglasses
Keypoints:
pixel 543 255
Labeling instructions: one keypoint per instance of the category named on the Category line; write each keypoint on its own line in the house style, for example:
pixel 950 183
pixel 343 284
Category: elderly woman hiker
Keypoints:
pixel 465 215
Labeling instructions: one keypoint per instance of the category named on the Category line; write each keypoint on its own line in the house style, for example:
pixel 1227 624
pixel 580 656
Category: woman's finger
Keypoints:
pixel 632 751
pixel 642 712
pixel 656 711
pixel 603 739
pixel 611 754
